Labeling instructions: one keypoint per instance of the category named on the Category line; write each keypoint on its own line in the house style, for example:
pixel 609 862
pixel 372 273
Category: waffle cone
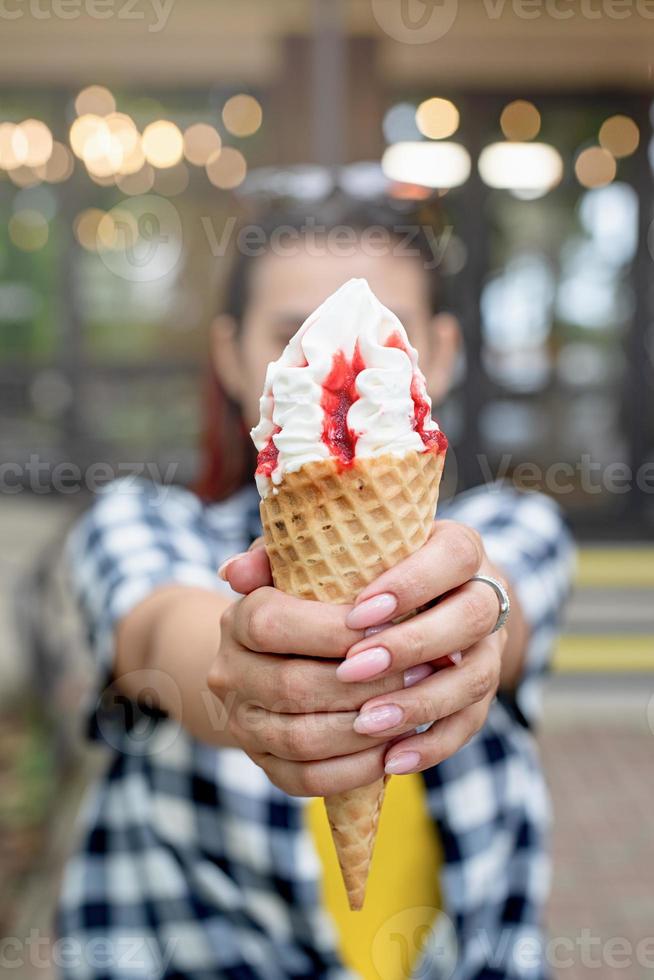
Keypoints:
pixel 329 532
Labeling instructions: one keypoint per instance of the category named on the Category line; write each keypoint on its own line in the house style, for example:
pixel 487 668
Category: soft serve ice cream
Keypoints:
pixel 347 386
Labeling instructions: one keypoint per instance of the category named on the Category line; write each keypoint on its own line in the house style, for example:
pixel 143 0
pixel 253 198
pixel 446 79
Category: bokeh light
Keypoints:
pixel 242 115
pixel 201 141
pixel 437 165
pixel 24 177
pixel 8 157
pixel 117 230
pixel 437 118
pixel 28 230
pixel 533 168
pixel 227 168
pixel 85 227
pixel 595 167
pixel 620 136
pixel 123 130
pixel 96 100
pixel 172 181
pixel 520 121
pixel 400 123
pixel 163 144
pixel 59 167
pixel 36 142
pixel 139 182
pixel 82 130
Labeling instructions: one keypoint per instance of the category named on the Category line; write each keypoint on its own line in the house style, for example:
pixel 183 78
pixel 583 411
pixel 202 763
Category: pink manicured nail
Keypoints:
pixel 416 674
pixel 378 719
pixel 225 565
pixel 362 666
pixel 372 612
pixel 403 763
pixel 456 657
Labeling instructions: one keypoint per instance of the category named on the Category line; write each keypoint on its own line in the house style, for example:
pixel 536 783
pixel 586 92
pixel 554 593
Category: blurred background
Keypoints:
pixel 133 135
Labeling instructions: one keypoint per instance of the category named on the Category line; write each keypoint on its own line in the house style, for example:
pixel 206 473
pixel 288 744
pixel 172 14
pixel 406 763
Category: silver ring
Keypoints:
pixel 502 595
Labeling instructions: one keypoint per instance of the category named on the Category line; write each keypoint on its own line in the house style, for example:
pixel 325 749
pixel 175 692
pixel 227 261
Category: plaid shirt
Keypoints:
pixel 193 864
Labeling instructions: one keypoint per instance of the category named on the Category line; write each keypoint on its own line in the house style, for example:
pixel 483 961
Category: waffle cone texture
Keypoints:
pixel 330 531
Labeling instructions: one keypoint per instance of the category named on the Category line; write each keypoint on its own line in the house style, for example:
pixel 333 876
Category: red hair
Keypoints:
pixel 227 455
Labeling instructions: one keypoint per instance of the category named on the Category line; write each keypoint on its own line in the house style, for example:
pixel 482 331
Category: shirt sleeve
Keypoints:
pixel 526 536
pixel 136 537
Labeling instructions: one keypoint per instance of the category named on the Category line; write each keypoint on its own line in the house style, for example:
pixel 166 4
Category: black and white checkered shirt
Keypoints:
pixel 193 865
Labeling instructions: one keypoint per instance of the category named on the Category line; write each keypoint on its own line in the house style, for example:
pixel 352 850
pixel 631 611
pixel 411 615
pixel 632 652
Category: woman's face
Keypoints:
pixel 284 290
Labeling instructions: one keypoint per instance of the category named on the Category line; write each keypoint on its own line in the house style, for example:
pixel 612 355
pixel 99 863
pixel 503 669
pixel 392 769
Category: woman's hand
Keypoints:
pixel 317 727
pixel 283 703
pixel 456 699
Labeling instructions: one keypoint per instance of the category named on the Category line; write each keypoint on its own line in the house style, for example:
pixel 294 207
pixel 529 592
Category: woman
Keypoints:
pixel 225 705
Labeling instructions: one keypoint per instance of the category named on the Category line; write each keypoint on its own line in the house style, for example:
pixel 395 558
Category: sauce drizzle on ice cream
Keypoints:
pixel 339 393
pixel 433 439
pixel 346 387
pixel 267 458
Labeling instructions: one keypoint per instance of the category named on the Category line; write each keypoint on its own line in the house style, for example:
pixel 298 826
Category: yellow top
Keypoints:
pixel 383 941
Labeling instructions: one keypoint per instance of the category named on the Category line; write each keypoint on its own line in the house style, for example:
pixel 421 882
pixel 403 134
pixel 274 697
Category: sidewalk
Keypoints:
pixel 597 747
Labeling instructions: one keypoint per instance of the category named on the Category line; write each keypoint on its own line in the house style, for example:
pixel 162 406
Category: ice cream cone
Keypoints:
pixel 329 531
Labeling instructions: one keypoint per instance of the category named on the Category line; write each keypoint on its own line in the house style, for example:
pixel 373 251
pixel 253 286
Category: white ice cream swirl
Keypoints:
pixel 382 418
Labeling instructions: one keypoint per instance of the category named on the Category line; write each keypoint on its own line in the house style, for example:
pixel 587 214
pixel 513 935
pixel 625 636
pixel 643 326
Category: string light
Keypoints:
pixel 242 115
pixel 162 144
pixel 35 140
pixel 620 136
pixel 520 121
pixel 139 182
pixel 227 168
pixel 595 167
pixel 437 165
pixel 437 118
pixel 85 227
pixel 528 167
pixel 172 181
pixel 201 141
pixel 59 167
pixel 24 177
pixel 95 99
pixel 28 230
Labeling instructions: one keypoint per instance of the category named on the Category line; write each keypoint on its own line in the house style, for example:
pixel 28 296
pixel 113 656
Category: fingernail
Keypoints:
pixel 372 630
pixel 372 612
pixel 225 565
pixel 402 763
pixel 378 719
pixel 362 666
pixel 456 657
pixel 416 674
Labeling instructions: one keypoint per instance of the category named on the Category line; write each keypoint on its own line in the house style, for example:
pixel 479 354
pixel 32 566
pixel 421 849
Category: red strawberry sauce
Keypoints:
pixel 434 439
pixel 267 458
pixel 338 395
